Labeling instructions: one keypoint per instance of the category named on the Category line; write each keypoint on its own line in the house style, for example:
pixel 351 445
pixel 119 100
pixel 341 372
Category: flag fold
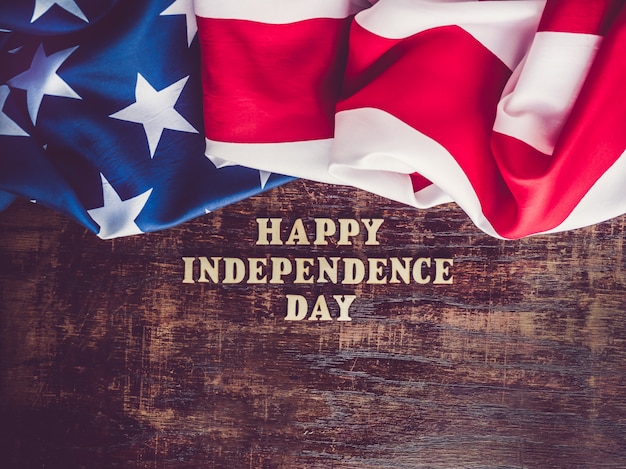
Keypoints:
pixel 514 110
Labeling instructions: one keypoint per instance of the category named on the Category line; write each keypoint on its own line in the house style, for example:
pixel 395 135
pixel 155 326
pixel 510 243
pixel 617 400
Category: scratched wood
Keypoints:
pixel 108 360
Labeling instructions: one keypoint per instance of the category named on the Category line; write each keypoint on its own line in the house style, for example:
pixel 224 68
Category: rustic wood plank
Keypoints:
pixel 109 360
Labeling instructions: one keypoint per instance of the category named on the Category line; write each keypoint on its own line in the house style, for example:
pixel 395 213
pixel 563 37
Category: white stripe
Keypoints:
pixel 376 152
pixel 605 199
pixel 541 93
pixel 278 11
pixel 308 159
pixel 505 28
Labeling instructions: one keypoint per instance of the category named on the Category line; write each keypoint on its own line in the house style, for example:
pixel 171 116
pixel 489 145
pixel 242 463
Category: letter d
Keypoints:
pixel 297 308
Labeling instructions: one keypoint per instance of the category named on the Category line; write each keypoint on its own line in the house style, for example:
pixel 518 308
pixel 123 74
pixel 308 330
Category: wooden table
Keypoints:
pixel 109 359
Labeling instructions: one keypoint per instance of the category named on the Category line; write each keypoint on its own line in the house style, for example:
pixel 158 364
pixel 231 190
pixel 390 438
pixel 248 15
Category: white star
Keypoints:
pixel 184 7
pixel 264 176
pixel 41 79
pixel 42 6
pixel 155 110
pixel 220 163
pixel 117 217
pixel 7 125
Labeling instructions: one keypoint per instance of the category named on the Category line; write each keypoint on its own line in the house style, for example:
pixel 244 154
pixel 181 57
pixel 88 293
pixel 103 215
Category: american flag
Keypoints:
pixel 101 115
pixel 515 110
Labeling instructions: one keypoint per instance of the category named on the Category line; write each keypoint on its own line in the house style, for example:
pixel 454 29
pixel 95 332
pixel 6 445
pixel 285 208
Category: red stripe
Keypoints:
pixel 268 83
pixel 595 134
pixel 579 16
pixel 445 84
pixel 419 182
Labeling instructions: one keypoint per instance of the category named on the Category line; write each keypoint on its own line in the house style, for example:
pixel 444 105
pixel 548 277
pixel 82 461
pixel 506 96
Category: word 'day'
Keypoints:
pixel 298 308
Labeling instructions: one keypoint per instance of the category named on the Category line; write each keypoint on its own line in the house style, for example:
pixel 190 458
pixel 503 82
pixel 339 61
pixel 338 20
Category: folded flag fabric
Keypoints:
pixel 136 115
pixel 515 110
pixel 101 115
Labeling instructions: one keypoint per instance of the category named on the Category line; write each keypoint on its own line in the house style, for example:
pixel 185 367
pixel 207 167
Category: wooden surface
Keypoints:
pixel 108 360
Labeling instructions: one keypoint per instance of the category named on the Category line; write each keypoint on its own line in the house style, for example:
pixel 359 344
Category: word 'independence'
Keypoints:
pixel 344 270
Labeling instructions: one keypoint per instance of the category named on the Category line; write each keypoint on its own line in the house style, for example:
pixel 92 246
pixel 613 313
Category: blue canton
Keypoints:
pixel 101 117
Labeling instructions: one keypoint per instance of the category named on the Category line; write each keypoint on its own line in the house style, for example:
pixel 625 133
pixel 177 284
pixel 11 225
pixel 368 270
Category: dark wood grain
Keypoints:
pixel 109 360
